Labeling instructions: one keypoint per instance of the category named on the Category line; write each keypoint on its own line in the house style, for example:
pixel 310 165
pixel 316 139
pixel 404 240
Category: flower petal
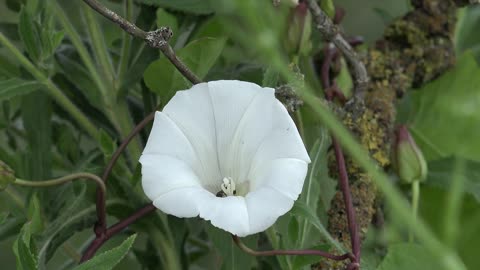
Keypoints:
pixel 192 112
pixel 182 202
pixel 265 206
pixel 231 100
pixel 167 139
pixel 285 175
pixel 173 174
pixel 228 213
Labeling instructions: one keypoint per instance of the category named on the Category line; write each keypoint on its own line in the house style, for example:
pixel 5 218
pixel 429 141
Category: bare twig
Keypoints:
pixel 314 252
pixel 332 34
pixel 156 39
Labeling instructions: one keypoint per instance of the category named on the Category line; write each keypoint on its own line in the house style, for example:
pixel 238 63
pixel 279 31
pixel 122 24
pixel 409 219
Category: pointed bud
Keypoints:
pixel 408 158
pixel 7 175
pixel 299 30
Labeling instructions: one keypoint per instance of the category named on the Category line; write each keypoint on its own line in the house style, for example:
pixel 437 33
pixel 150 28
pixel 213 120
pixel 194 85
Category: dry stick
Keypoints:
pixel 321 253
pixel 155 39
pixel 331 33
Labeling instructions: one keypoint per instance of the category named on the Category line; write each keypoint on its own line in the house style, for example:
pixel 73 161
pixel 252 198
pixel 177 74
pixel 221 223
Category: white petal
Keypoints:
pixel 192 111
pixel 162 174
pixel 285 175
pixel 228 213
pixel 265 206
pixel 231 100
pixel 167 139
pixel 182 202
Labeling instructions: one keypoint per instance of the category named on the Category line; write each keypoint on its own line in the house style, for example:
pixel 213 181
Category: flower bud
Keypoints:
pixel 299 30
pixel 408 158
pixel 7 175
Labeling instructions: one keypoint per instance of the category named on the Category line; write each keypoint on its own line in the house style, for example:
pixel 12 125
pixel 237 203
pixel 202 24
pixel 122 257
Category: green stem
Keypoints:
pixel 415 200
pixel 78 44
pixel 454 204
pixel 62 180
pixel 98 44
pixel 126 44
pixel 51 88
pixel 167 254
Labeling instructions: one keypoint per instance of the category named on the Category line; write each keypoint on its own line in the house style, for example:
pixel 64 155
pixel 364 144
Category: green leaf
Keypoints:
pixel 301 261
pixel 189 6
pixel 453 99
pixel 16 87
pixel 38 131
pixel 440 174
pixel 166 19
pixel 3 218
pixel 301 210
pixel 107 145
pixel 409 256
pixel 34 215
pixel 108 259
pixel 29 35
pixel 232 258
pixel 466 33
pixel 24 250
pixel 293 230
pixel 162 77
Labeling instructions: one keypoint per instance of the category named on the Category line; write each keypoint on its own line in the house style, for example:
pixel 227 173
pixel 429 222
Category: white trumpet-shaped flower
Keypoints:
pixel 226 151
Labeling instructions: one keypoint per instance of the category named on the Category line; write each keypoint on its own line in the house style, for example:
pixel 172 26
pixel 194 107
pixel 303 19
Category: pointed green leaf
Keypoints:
pixel 162 77
pixel 16 87
pixel 24 250
pixel 108 259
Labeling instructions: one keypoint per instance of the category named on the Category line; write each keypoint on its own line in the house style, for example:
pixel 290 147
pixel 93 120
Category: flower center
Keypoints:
pixel 227 188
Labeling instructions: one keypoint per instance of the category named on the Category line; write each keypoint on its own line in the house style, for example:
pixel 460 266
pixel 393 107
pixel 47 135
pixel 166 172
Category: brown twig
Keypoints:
pixel 313 252
pixel 332 34
pixel 156 39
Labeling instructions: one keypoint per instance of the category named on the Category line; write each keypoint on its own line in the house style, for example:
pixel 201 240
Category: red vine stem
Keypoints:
pixel 314 252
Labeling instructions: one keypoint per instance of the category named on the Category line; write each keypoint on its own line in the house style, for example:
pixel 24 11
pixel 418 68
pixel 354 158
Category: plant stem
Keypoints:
pixel 454 204
pixel 331 33
pixel 115 229
pixel 51 88
pixel 156 39
pixel 415 200
pixel 314 252
pixel 62 180
pixel 126 44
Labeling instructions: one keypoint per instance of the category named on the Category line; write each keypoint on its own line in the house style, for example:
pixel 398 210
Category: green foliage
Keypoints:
pixel 16 87
pixel 108 259
pixel 190 6
pixel 466 37
pixel 442 115
pixel 200 55
pixel 409 256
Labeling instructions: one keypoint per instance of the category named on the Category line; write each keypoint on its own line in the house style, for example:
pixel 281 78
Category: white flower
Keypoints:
pixel 226 151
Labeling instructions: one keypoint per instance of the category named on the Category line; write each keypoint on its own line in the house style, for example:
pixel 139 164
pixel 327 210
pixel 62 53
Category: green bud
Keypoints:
pixel 299 30
pixel 408 158
pixel 7 175
pixel 328 7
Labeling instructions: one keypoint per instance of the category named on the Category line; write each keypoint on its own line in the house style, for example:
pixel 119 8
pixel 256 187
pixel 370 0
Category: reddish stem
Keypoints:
pixel 314 252
pixel 113 230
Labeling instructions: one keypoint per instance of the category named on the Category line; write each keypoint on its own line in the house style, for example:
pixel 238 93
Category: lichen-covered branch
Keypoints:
pixel 414 50
pixel 332 34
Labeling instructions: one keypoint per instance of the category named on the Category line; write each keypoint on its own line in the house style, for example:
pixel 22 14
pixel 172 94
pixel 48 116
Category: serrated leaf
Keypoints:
pixel 454 99
pixel 29 35
pixel 189 6
pixel 409 256
pixel 16 87
pixel 108 259
pixel 162 78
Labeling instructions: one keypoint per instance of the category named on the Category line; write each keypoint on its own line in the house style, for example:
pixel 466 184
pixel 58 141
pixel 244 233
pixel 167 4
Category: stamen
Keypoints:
pixel 228 186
